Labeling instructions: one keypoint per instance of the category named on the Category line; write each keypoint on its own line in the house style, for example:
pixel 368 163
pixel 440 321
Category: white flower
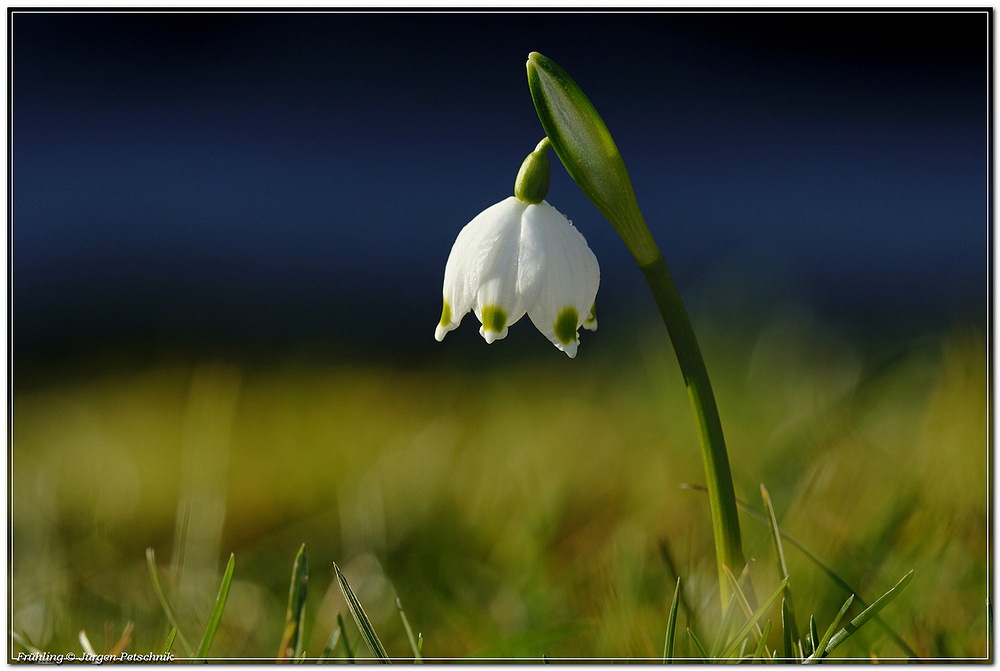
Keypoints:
pixel 516 258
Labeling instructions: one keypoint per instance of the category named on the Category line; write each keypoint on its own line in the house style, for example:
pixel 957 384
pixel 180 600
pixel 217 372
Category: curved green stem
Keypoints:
pixel 719 479
pixel 584 146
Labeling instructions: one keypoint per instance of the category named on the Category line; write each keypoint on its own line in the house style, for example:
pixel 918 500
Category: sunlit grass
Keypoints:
pixel 517 510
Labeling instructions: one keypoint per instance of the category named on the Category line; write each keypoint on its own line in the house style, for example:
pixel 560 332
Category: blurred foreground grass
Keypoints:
pixel 515 511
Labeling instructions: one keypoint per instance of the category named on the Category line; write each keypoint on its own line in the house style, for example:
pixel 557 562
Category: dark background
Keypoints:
pixel 256 181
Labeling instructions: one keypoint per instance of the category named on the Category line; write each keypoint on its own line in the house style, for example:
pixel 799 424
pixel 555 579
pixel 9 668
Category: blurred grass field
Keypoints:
pixel 515 510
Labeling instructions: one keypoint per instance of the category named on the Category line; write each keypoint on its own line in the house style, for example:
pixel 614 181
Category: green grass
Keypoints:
pixel 515 509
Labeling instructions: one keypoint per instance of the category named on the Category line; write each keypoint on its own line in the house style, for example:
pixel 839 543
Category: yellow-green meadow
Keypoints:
pixel 517 510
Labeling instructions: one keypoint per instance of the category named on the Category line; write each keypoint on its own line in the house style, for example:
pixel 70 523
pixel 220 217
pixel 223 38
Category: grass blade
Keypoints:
pixel 868 613
pixel 668 645
pixel 790 655
pixel 364 624
pixel 737 597
pixel 668 558
pixel 25 643
pixel 772 523
pixel 158 588
pixel 762 643
pixel 343 636
pixel 821 646
pixel 727 623
pixel 741 598
pixel 331 643
pixel 123 642
pixel 698 647
pixel 753 619
pixel 216 616
pixel 813 635
pixel 169 643
pixel 295 616
pixel 826 568
pixel 85 642
pixel 417 657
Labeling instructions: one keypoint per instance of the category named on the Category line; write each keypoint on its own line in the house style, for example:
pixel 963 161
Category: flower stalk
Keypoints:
pixel 584 146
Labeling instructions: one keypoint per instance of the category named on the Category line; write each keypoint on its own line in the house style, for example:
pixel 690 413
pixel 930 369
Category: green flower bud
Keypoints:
pixel 532 181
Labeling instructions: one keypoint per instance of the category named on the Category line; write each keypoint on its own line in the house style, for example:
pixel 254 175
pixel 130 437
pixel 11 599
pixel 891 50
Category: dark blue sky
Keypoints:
pixel 216 176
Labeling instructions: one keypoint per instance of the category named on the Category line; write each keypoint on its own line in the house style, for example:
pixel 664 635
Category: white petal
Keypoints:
pixel 474 247
pixel 590 322
pixel 558 275
pixel 497 303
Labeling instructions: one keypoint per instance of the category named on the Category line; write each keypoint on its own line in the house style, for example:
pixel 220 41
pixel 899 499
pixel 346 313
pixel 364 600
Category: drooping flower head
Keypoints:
pixel 521 256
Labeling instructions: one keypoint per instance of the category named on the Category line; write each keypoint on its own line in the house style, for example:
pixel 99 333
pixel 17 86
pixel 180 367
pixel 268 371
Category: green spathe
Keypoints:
pixel 588 152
